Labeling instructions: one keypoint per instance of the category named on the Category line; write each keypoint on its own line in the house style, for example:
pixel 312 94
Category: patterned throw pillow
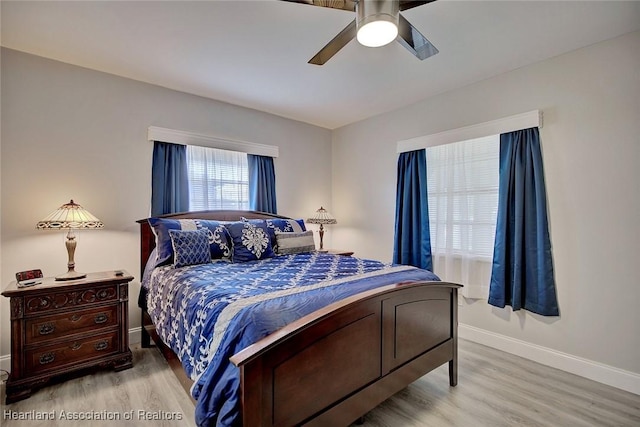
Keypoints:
pixel 250 241
pixel 219 241
pixel 286 225
pixel 190 247
pixel 295 243
pixel 278 224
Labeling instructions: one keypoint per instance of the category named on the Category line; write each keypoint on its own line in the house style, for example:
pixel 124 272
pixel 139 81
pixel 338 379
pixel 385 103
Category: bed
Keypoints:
pixel 314 339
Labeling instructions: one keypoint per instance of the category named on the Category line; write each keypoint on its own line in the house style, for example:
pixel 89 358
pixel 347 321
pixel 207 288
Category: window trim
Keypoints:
pixel 155 133
pixel 495 127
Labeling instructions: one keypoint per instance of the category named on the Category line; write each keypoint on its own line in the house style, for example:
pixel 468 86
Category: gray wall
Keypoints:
pixel 591 149
pixel 69 132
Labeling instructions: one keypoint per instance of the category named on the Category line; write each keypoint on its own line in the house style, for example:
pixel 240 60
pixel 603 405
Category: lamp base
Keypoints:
pixel 71 275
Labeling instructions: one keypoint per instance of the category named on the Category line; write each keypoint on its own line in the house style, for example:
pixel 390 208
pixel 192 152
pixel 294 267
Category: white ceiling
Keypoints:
pixel 255 53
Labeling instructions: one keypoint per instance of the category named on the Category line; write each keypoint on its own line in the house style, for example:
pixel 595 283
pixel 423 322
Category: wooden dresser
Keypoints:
pixel 63 328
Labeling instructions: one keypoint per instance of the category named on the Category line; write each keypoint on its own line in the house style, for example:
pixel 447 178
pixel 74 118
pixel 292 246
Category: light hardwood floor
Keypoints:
pixel 494 389
pixel 149 387
pixel 498 389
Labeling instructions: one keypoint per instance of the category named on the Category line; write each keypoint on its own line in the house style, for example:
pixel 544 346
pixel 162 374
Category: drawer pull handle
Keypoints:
pixel 75 346
pixel 100 318
pixel 75 318
pixel 47 358
pixel 101 345
pixel 47 328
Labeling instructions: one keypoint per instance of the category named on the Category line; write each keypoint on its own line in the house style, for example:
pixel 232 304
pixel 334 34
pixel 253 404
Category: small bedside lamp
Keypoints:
pixel 322 217
pixel 70 216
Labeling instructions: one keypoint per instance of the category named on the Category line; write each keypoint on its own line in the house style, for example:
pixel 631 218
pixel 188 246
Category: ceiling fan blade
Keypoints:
pixel 410 4
pixel 349 5
pixel 415 42
pixel 338 42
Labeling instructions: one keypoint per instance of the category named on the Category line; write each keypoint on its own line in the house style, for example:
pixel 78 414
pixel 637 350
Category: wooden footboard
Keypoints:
pixel 334 365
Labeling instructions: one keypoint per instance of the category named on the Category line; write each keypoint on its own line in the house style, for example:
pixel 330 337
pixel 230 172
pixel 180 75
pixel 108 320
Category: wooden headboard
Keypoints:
pixel 148 239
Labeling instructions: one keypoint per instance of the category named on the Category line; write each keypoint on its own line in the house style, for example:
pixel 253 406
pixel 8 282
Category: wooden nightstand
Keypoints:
pixel 337 252
pixel 59 328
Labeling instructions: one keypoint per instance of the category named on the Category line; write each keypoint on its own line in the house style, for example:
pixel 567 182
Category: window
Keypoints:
pixel 462 191
pixel 218 179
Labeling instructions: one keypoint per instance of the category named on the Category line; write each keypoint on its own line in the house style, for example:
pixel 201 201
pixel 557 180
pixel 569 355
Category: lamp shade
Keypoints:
pixel 322 216
pixel 70 216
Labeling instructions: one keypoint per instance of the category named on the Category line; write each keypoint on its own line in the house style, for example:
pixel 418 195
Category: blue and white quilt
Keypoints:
pixel 207 313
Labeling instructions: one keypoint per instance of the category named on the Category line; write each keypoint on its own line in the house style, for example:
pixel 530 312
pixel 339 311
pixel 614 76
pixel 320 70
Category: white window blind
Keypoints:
pixel 218 179
pixel 462 190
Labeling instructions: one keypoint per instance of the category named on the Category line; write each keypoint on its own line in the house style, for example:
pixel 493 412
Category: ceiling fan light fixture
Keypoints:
pixel 377 22
pixel 377 33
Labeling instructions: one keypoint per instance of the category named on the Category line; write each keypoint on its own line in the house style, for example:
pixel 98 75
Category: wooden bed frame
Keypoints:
pixel 334 365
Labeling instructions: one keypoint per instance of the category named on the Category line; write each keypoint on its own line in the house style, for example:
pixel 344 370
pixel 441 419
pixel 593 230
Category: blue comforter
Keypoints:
pixel 207 313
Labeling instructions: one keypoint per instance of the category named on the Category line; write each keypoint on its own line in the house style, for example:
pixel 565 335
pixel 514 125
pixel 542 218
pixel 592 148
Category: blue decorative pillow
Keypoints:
pixel 250 241
pixel 190 247
pixel 278 224
pixel 219 241
pixel 286 225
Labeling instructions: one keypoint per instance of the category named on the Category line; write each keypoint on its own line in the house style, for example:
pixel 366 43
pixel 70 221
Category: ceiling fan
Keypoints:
pixel 377 23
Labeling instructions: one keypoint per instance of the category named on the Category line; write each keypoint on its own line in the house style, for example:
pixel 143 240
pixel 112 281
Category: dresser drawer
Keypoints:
pixel 44 328
pixel 42 303
pixel 46 358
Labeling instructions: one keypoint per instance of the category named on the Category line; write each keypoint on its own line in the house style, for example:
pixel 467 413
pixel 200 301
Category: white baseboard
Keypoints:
pixel 5 360
pixel 624 380
pixel 5 365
